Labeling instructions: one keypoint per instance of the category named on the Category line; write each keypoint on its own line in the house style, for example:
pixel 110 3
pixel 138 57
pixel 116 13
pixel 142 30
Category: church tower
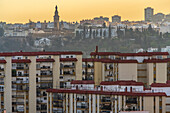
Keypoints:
pixel 56 19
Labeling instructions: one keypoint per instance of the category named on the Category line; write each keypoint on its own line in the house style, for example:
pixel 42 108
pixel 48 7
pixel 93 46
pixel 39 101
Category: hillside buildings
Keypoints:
pixel 116 18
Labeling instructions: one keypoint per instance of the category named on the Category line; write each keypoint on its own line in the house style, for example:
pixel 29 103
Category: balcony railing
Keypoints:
pixel 22 67
pixel 82 106
pixel 2 83
pixel 81 99
pixel 45 67
pixel 58 105
pixel 131 101
pixel 58 98
pixel 67 66
pixel 105 100
pixel 25 74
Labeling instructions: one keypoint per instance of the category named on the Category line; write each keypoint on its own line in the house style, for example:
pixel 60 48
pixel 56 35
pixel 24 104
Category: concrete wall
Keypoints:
pixel 149 73
pixel 148 104
pixel 56 72
pixel 32 85
pixel 79 67
pixel 161 72
pixel 127 71
pixel 97 72
pixel 8 86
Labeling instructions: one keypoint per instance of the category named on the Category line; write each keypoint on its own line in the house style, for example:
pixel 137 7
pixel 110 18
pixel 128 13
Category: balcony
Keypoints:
pixel 58 98
pixel 23 75
pixel 17 96
pixel 81 99
pixel 2 83
pixel 21 68
pixel 68 73
pixel 22 89
pixel 18 103
pixel 57 105
pixel 131 101
pixel 90 66
pixel 20 81
pixel 106 107
pixel 45 67
pixel 110 75
pixel 45 81
pixel 83 107
pixel 67 66
pixel 1 69
pixel 105 100
pixel 47 74
pixel 88 73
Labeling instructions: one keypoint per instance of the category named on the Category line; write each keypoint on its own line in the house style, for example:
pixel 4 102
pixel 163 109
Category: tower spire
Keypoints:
pixel 56 19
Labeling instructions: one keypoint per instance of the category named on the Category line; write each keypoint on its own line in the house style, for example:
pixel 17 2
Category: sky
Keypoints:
pixel 20 11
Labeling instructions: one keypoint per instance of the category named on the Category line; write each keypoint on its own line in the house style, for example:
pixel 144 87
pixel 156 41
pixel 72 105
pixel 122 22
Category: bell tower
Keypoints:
pixel 56 19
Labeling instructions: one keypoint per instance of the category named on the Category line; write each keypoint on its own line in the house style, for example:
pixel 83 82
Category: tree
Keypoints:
pixel 101 32
pixel 104 25
pixel 104 34
pixel 90 32
pixel 110 32
pixel 84 32
pixel 94 34
pixel 1 32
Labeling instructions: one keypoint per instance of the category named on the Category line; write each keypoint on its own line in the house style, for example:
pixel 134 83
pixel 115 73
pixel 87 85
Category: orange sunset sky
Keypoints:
pixel 20 11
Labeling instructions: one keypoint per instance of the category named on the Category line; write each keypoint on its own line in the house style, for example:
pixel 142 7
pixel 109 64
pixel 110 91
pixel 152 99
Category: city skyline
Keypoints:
pixel 19 11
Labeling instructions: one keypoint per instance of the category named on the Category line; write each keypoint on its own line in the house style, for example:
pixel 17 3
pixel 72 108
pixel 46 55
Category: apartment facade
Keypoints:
pixel 147 67
pixel 108 97
pixel 25 76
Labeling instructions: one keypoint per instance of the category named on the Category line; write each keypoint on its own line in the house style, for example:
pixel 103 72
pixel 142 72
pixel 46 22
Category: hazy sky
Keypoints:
pixel 75 10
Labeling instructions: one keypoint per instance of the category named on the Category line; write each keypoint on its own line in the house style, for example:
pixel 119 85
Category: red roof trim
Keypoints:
pixel 68 59
pixel 2 61
pixel 45 60
pixel 127 83
pixel 41 53
pixel 104 92
pixel 155 61
pixel 160 85
pixel 104 53
pixel 21 61
pixel 91 60
pixel 108 60
pixel 82 82
pixel 129 54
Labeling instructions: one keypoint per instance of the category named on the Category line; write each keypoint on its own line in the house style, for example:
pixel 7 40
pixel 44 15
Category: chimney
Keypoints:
pixel 96 49
pixel 126 89
pixel 101 88
pixel 130 89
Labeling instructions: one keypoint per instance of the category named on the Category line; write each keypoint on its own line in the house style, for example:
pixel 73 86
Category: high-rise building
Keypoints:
pixel 116 18
pixel 149 14
pixel 56 19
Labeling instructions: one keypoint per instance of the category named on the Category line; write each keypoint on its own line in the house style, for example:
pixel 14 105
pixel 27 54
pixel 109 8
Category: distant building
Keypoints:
pixel 149 14
pixel 158 17
pixel 167 17
pixel 96 32
pixel 116 18
pixel 42 42
pixel 56 19
pixel 101 18
pixel 16 32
